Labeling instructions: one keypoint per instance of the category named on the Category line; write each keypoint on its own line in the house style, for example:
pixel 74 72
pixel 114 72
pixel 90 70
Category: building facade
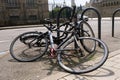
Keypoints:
pixel 105 7
pixel 14 12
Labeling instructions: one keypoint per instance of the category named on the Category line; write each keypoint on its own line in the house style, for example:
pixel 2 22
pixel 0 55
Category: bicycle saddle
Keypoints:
pixel 48 20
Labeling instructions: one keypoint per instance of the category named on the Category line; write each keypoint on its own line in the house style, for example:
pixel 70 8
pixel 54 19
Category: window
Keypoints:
pixel 117 3
pixel 106 4
pixel 103 5
pixel 14 18
pixel 32 17
pixel 112 4
pixel 30 3
pixel 12 3
pixel 109 4
pixel 1 12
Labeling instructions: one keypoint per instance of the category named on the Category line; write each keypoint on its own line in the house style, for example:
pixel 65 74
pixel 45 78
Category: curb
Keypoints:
pixel 2 54
pixel 57 76
pixel 114 53
pixel 17 27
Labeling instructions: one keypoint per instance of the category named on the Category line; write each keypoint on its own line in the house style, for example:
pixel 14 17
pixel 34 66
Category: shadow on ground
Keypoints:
pixel 105 72
pixel 50 64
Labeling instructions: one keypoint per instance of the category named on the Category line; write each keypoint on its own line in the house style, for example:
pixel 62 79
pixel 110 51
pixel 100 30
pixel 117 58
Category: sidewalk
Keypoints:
pixel 109 71
pixel 13 70
pixel 49 70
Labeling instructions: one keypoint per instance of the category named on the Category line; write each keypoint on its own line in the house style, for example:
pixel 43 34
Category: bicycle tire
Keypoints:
pixel 82 25
pixel 86 31
pixel 74 62
pixel 20 50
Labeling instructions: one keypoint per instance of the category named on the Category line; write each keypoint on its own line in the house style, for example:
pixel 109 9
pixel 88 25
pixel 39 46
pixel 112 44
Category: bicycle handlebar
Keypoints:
pixel 64 31
pixel 55 29
pixel 52 28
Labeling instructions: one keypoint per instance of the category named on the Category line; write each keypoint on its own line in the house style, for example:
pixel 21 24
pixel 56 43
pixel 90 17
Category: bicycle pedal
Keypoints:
pixel 52 53
pixel 51 57
pixel 82 55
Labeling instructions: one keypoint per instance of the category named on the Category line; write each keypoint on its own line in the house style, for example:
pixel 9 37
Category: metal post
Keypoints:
pixel 113 25
pixel 113 20
pixel 99 19
pixel 73 3
pixel 58 18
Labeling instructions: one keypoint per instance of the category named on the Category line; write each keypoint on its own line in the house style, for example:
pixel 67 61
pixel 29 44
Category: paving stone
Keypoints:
pixel 109 63
pixel 74 77
pixel 61 79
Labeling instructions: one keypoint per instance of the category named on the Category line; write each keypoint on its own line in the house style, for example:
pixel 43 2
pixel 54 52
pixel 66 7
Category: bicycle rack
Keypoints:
pixel 113 20
pixel 99 19
pixel 58 24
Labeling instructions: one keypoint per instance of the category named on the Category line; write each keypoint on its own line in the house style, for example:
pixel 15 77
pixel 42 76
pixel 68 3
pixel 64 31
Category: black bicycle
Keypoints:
pixel 23 42
pixel 76 50
pixel 70 53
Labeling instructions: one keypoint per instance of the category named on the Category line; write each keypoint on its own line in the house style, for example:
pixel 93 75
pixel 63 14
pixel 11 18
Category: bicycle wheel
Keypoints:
pixel 77 60
pixel 22 49
pixel 85 30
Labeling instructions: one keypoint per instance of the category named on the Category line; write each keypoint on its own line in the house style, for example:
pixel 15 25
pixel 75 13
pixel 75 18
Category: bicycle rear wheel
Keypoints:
pixel 78 60
pixel 23 50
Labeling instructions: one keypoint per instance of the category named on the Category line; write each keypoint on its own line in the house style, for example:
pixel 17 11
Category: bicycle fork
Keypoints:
pixel 52 49
pixel 77 47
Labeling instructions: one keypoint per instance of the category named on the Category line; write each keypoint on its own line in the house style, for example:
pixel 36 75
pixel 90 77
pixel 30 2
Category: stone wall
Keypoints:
pixel 15 12
pixel 105 7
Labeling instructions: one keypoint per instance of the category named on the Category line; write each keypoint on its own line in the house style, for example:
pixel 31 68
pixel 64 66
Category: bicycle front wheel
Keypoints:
pixel 86 31
pixel 77 60
pixel 21 48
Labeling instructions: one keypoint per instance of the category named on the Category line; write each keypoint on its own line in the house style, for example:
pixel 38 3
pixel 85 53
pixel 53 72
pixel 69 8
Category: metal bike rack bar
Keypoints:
pixel 99 19
pixel 58 16
pixel 113 20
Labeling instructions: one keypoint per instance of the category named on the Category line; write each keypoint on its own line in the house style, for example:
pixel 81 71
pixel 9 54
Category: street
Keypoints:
pixel 6 36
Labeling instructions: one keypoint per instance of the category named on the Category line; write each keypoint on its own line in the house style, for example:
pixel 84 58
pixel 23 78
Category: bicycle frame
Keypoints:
pixel 74 35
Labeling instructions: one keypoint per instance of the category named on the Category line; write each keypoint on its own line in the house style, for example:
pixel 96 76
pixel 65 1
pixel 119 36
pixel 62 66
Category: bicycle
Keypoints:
pixel 28 37
pixel 71 56
pixel 73 50
pixel 83 26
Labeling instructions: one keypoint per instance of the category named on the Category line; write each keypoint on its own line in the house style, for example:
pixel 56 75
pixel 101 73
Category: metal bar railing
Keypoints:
pixel 113 21
pixel 99 19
